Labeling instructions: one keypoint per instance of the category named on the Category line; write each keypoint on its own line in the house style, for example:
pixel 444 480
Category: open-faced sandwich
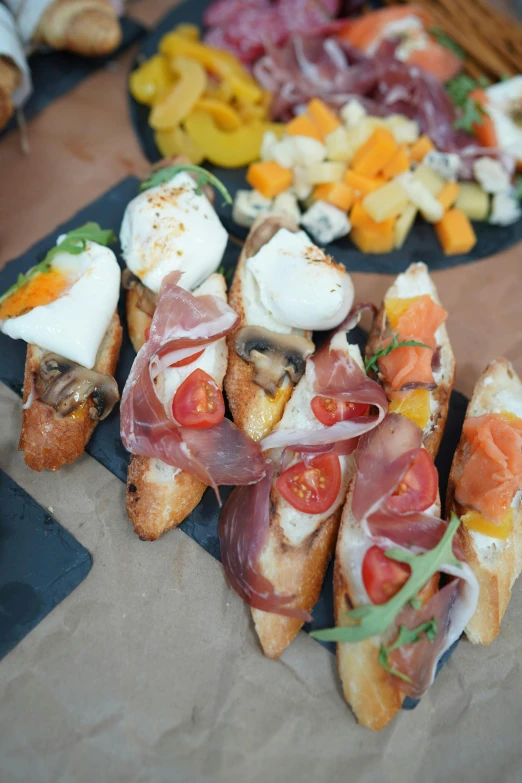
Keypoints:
pixel 277 537
pixel 65 309
pixel 484 491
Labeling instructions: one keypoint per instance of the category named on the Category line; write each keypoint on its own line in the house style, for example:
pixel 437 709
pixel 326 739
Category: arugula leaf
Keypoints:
pixel 371 362
pixel 415 603
pixel 160 176
pixel 74 243
pixel 406 636
pixel 472 114
pixel 445 40
pixel 518 188
pixel 459 90
pixel 373 619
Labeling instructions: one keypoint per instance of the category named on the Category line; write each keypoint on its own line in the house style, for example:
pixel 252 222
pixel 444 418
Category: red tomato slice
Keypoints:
pixel 198 402
pixel 188 359
pixel 313 488
pixel 382 577
pixel 330 411
pixel 418 489
pixel 147 333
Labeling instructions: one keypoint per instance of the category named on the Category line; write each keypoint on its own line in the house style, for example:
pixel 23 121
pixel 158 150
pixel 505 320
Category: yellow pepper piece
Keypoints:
pixel 473 520
pixel 230 149
pixel 267 412
pixel 175 141
pixel 181 98
pixel 415 406
pixel 190 31
pixel 395 308
pixel 148 82
pixel 225 116
pixel 252 112
pixel 221 64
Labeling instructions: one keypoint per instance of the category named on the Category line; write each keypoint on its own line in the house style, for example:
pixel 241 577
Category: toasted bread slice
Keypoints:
pixel 415 282
pixel 140 304
pixel 49 440
pixel 495 563
pixel 299 546
pixel 253 410
pixel 374 695
pixel 160 497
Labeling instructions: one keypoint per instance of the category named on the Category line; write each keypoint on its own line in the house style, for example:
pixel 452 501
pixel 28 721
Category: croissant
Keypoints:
pixel 87 27
pixel 10 79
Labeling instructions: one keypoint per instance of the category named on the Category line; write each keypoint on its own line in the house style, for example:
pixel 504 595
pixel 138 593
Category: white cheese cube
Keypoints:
pixel 328 171
pixel 491 175
pixel 404 131
pixel 283 152
pixel 307 151
pixel 445 164
pixel 431 209
pixel 386 202
pixel 325 222
pixel 338 145
pixel 403 225
pixel 287 202
pixel 301 187
pixel 473 201
pixel 505 209
pixel 352 113
pixel 267 145
pixel 248 204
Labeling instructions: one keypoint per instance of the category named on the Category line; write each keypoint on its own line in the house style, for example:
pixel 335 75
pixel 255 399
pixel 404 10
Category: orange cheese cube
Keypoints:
pixel 398 164
pixel 325 119
pixel 269 178
pixel 359 218
pixel 449 194
pixel 421 148
pixel 455 233
pixel 375 153
pixel 336 193
pixel 303 125
pixel 362 185
pixel 370 241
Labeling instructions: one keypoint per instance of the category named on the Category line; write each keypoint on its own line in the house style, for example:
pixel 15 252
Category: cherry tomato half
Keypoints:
pixel 382 577
pixel 198 402
pixel 313 488
pixel 418 489
pixel 330 411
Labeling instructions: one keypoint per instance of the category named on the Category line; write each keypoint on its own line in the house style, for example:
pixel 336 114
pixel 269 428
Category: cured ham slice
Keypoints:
pixel 221 454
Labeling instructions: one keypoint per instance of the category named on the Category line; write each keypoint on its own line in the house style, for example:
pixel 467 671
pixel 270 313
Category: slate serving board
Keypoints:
pixel 55 73
pixel 40 563
pixel 106 446
pixel 421 244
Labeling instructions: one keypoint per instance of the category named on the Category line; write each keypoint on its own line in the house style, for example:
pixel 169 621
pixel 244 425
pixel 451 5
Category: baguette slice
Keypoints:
pixel 374 695
pixel 495 563
pixel 159 496
pixel 253 410
pixel 415 282
pixel 48 440
pixel 140 304
pixel 299 546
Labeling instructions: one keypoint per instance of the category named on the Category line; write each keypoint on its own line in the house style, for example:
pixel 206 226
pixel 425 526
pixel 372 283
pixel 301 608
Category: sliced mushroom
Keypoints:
pixel 145 298
pixel 264 228
pixel 67 385
pixel 273 355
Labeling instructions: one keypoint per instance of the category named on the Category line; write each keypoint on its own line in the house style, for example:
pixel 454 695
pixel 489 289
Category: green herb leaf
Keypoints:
pixel 160 176
pixel 371 620
pixel 406 636
pixel 472 114
pixel 444 40
pixel 415 603
pixel 371 363
pixel 74 243
pixel 228 274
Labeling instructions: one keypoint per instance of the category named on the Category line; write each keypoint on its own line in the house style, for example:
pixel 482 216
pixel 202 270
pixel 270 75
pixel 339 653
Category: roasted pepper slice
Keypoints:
pixel 230 149
pixel 226 117
pixel 181 98
pixel 176 141
pixel 151 80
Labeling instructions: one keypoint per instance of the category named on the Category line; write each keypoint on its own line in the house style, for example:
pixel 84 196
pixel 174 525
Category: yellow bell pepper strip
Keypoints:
pixel 190 31
pixel 221 64
pixel 226 117
pixel 176 141
pixel 230 149
pixel 181 98
pixel 151 80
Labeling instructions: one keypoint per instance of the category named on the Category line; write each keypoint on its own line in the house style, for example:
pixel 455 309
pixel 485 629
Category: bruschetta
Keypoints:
pixel 284 288
pixel 410 353
pixel 484 491
pixel 65 309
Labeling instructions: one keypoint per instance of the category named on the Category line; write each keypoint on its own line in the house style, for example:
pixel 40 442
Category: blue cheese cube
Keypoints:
pixel 325 222
pixel 287 202
pixel 445 164
pixel 248 204
pixel 491 175
pixel 505 209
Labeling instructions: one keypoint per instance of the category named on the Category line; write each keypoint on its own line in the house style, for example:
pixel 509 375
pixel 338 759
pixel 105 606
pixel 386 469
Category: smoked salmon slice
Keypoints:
pixel 406 365
pixel 492 475
pixel 404 24
pixel 421 320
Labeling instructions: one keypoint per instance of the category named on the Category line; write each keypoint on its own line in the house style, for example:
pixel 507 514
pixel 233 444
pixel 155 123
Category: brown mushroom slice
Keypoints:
pixel 273 355
pixel 145 298
pixel 265 227
pixel 68 385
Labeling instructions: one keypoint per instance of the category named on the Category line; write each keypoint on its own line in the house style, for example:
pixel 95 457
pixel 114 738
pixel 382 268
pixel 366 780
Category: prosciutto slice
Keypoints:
pixel 221 454
pixel 332 373
pixel 243 528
